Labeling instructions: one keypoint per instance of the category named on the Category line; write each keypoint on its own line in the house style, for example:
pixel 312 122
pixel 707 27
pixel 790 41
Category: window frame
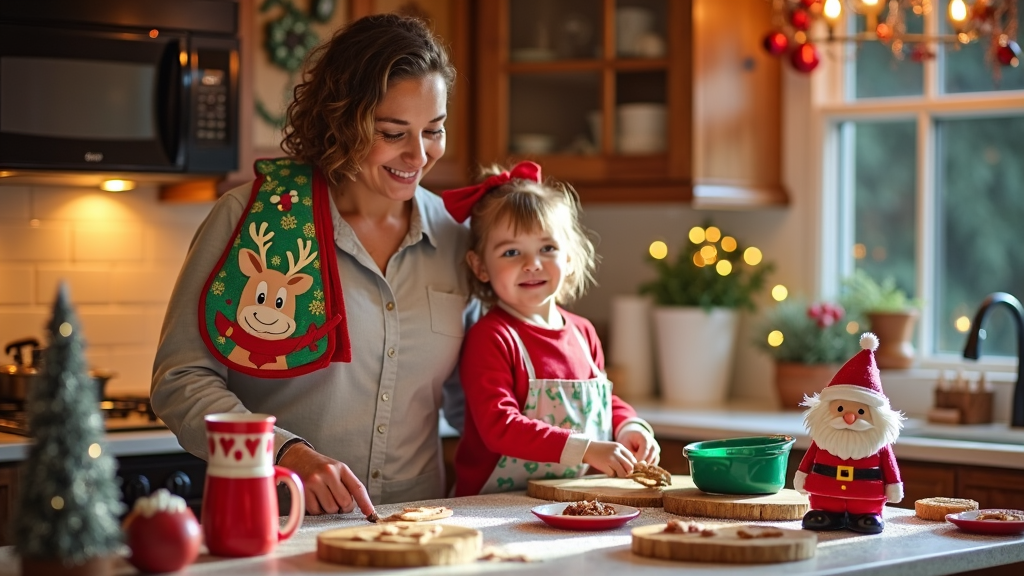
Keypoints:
pixel 833 105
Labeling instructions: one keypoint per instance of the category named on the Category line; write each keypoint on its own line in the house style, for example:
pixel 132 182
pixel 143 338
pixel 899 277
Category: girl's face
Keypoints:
pixel 525 270
pixel 408 137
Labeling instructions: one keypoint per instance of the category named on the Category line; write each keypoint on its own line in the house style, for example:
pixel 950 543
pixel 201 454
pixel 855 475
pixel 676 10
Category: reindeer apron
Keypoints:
pixel 585 406
pixel 273 306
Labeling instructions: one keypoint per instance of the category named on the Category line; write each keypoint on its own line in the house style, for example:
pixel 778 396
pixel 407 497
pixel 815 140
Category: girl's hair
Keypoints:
pixel 331 119
pixel 528 206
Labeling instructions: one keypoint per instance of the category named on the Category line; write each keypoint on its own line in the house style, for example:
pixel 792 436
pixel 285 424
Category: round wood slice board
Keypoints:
pixel 600 487
pixel 455 545
pixel 725 546
pixel 784 505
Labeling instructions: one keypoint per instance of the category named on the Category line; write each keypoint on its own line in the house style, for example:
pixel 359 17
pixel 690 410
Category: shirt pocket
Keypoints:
pixel 446 311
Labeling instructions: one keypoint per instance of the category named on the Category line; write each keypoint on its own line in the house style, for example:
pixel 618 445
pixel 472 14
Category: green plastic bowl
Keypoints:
pixel 754 465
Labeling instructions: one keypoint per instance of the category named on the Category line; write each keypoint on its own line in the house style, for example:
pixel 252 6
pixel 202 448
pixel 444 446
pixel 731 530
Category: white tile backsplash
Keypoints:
pixel 120 255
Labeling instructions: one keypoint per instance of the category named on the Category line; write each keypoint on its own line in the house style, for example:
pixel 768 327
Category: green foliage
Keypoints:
pixel 683 283
pixel 69 503
pixel 806 339
pixel 863 294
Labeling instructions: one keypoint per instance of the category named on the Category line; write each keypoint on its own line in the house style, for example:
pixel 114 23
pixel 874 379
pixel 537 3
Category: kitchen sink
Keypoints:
pixel 994 433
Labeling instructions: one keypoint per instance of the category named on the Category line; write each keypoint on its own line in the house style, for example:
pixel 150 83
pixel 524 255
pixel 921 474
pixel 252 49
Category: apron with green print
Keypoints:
pixel 584 406
pixel 273 306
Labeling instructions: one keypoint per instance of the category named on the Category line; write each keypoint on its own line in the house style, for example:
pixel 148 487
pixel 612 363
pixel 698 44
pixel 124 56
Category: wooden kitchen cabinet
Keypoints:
pixel 569 83
pixel 8 501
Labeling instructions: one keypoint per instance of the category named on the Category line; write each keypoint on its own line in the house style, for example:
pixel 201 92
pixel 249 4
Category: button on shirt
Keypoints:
pixel 378 413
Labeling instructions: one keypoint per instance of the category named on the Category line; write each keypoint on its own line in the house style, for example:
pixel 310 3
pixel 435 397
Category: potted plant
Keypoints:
pixel 697 297
pixel 809 343
pixel 891 315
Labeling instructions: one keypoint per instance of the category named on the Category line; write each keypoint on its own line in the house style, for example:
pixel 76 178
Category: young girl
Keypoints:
pixel 537 401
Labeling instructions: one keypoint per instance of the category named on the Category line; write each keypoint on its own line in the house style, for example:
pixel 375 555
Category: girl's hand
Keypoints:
pixel 642 445
pixel 610 457
pixel 330 486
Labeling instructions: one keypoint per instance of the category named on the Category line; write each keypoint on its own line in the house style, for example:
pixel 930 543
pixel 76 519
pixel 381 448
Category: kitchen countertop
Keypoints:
pixel 909 546
pixel 14 448
pixel 919 441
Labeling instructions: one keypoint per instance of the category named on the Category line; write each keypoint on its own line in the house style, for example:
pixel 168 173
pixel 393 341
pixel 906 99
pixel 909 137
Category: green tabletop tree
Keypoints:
pixel 69 504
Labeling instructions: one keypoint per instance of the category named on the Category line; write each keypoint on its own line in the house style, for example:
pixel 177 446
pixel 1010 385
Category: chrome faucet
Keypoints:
pixel 972 349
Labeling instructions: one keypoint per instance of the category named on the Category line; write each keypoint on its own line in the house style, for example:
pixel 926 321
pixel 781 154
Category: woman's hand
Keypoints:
pixel 611 457
pixel 642 445
pixel 329 485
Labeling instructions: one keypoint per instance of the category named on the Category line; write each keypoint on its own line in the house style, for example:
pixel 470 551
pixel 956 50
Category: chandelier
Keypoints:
pixel 794 22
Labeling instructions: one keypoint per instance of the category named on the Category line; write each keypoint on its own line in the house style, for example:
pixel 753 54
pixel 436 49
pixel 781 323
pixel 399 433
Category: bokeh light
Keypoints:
pixel 708 252
pixel 752 256
pixel 780 292
pixel 963 324
pixel 859 251
pixel 852 327
pixel 658 250
pixel 698 260
pixel 697 235
pixel 65 329
pixel 724 267
pixel 728 243
pixel 775 338
pixel 712 234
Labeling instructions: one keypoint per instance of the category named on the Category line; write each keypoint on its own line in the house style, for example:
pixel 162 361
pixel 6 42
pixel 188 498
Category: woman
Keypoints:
pixel 369 117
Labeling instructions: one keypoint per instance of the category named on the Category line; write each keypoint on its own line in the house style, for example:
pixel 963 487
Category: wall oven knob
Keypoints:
pixel 179 484
pixel 136 486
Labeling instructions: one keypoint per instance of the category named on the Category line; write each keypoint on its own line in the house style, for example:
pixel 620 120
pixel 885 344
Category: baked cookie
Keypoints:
pixel 937 508
pixel 420 514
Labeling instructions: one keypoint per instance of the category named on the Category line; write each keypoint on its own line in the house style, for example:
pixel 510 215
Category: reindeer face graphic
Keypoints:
pixel 266 308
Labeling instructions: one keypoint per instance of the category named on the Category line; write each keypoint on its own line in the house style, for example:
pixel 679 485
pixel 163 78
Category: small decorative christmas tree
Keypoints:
pixel 69 505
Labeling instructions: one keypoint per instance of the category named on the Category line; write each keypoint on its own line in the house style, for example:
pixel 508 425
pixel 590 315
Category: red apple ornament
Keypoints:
pixel 775 43
pixel 805 58
pixel 163 533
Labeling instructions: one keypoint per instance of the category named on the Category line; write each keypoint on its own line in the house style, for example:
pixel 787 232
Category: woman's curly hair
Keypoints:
pixel 528 206
pixel 331 119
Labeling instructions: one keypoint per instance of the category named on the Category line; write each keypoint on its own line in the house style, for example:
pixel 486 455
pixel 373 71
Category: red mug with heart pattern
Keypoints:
pixel 240 512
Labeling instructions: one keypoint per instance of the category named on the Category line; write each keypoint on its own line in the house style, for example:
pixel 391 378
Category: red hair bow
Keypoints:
pixel 459 202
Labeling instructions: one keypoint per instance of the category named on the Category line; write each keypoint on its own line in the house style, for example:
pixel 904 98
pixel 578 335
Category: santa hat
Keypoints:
pixel 858 380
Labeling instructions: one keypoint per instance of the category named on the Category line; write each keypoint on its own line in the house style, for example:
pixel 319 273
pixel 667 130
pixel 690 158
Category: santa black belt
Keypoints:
pixel 847 472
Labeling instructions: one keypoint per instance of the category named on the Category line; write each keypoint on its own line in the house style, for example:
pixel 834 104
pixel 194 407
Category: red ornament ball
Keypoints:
pixel 809 3
pixel 800 19
pixel 162 540
pixel 775 43
pixel 1009 55
pixel 884 31
pixel 805 58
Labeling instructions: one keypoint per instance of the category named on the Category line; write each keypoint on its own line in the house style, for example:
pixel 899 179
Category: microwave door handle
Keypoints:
pixel 170 88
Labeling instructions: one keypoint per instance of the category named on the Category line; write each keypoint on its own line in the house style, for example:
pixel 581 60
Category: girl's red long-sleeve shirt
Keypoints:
pixel 495 382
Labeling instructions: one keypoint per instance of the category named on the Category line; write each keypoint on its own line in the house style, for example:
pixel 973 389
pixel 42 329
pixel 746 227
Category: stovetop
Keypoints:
pixel 121 414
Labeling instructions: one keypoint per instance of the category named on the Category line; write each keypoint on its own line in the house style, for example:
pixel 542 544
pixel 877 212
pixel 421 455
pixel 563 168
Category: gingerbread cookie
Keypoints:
pixel 937 508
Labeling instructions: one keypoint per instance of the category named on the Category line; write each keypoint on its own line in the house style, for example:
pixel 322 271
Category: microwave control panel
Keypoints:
pixel 212 107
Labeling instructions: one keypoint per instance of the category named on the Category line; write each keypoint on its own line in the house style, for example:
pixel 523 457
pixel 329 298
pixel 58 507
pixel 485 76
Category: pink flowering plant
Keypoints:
pixel 815 333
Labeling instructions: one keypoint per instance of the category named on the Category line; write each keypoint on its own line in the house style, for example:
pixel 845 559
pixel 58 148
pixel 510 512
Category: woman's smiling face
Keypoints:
pixel 408 137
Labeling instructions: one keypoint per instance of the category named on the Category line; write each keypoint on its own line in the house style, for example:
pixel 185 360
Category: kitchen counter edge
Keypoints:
pixel 14 448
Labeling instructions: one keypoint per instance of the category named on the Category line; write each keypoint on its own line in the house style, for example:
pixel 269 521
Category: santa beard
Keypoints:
pixel 862 439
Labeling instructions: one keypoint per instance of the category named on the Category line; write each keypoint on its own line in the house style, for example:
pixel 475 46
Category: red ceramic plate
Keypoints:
pixel 552 515
pixel 967 522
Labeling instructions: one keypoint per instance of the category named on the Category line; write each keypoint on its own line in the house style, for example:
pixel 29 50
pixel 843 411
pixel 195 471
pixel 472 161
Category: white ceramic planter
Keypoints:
pixel 695 350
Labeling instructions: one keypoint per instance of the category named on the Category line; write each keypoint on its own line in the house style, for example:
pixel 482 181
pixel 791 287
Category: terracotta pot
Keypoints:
pixel 793 381
pixel 895 331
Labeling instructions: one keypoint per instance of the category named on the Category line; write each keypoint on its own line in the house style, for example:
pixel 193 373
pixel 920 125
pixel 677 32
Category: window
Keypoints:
pixel 925 174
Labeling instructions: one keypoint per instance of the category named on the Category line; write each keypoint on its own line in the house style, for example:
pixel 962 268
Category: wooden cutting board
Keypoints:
pixel 455 545
pixel 610 490
pixel 784 505
pixel 725 545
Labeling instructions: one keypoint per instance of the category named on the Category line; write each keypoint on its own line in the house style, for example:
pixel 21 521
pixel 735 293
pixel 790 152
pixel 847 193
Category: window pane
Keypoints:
pixel 969 68
pixel 981 182
pixel 879 73
pixel 884 187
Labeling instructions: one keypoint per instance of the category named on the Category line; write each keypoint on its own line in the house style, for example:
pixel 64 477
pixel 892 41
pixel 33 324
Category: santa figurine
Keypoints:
pixel 850 471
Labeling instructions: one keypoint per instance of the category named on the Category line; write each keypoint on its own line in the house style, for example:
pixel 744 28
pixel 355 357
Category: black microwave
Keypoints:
pixel 119 85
